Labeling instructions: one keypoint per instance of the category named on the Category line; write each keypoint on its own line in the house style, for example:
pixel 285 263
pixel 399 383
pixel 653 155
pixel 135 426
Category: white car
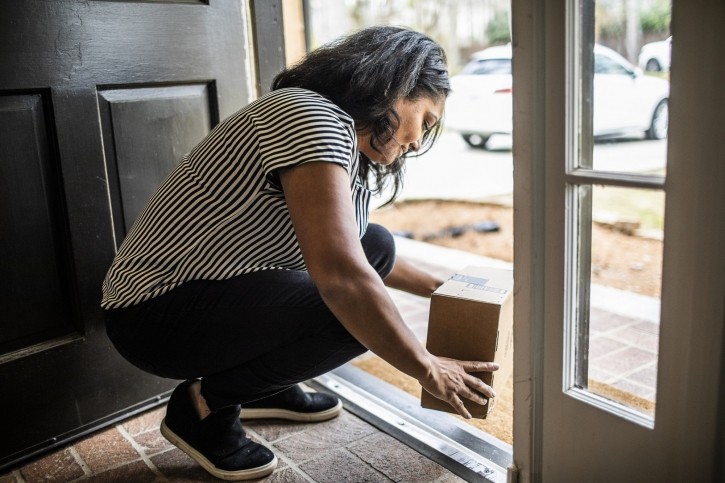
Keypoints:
pixel 625 100
pixel 655 56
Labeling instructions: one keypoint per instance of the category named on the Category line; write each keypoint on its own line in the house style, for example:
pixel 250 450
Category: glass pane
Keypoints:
pixel 625 85
pixel 623 313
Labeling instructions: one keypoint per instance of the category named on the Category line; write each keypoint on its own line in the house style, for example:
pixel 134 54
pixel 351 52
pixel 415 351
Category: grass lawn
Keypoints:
pixel 642 205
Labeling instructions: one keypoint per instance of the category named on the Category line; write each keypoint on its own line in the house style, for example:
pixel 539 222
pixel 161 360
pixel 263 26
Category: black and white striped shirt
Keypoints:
pixel 222 211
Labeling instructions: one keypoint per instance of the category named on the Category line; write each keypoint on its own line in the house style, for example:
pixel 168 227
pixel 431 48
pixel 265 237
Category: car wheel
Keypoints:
pixel 660 121
pixel 475 140
pixel 653 66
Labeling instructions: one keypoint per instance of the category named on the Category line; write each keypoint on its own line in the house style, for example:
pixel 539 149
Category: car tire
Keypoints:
pixel 660 121
pixel 475 140
pixel 653 66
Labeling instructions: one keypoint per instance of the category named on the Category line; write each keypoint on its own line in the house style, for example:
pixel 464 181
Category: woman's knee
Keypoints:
pixel 379 246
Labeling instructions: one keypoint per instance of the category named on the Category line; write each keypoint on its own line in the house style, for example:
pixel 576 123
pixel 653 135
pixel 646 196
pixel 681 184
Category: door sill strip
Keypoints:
pixel 460 448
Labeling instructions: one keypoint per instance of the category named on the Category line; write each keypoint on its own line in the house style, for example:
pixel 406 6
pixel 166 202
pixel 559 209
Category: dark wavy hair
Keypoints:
pixel 365 73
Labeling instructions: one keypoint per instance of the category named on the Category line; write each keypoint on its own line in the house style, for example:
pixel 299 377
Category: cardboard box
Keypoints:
pixel 471 319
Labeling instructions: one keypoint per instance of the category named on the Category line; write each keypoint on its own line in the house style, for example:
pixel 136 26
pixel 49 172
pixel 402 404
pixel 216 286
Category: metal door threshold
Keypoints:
pixel 460 448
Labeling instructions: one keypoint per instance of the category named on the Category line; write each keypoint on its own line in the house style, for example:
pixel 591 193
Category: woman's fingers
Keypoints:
pixel 475 390
pixel 468 393
pixel 480 386
pixel 455 383
pixel 477 366
pixel 457 404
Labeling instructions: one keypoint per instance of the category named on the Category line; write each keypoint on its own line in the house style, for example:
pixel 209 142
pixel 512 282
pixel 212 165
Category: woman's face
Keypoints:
pixel 416 117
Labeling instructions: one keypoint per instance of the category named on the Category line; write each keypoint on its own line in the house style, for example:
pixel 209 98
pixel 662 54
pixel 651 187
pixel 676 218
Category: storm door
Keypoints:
pixel 98 101
pixel 585 350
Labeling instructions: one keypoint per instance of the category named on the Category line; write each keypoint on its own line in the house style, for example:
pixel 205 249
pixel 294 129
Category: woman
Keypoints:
pixel 253 267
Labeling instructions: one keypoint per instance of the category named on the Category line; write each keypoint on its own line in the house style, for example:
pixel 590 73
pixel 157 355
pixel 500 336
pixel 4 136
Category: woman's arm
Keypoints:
pixel 406 276
pixel 319 201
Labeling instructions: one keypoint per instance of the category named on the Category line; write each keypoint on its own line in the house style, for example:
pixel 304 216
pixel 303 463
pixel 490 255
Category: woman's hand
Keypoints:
pixel 449 380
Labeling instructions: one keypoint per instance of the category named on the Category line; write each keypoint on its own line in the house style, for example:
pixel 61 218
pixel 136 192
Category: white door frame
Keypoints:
pixel 557 437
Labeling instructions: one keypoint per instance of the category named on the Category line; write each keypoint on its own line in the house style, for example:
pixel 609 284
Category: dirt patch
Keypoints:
pixel 619 260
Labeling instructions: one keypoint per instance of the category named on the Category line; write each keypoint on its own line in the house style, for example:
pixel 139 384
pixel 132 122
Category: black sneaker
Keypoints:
pixel 217 442
pixel 294 404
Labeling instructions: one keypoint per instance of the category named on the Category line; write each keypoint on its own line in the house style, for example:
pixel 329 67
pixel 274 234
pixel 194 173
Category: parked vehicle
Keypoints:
pixel 655 56
pixel 625 100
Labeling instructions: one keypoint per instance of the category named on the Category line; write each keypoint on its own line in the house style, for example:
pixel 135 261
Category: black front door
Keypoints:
pixel 98 101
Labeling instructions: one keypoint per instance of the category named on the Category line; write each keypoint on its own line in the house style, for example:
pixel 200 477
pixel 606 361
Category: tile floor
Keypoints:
pixel 623 353
pixel 347 448
pixel 343 449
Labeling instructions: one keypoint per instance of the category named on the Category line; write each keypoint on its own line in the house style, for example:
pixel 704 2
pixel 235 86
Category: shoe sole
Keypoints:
pixel 248 474
pixel 270 413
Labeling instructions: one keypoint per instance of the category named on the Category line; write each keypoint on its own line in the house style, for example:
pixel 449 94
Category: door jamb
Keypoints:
pixel 529 99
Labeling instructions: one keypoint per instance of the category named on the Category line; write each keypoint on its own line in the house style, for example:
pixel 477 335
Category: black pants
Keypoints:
pixel 247 337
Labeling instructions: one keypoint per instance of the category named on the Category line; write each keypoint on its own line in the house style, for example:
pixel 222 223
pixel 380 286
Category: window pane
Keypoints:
pixel 625 92
pixel 624 296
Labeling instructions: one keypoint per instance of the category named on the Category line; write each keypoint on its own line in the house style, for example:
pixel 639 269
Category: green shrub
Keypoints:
pixel 497 30
pixel 656 20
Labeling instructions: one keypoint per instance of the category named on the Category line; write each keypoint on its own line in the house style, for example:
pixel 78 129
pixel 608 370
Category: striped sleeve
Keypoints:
pixel 313 130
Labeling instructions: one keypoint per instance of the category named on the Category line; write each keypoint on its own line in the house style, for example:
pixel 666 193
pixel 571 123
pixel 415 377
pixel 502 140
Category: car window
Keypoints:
pixel 488 67
pixel 605 65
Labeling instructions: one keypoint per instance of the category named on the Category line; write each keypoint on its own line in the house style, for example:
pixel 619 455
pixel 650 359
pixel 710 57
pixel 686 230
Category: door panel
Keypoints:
pixel 98 102
pixel 134 123
pixel 35 302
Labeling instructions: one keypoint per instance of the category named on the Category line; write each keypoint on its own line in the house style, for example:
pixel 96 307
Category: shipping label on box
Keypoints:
pixel 471 319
